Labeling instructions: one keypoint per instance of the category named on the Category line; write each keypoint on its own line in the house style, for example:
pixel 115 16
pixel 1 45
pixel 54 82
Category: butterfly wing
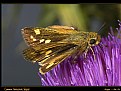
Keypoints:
pixel 49 46
pixel 49 58
pixel 55 60
pixel 36 36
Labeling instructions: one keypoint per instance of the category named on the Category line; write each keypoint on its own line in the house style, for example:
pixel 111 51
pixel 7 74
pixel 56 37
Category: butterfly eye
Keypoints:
pixel 92 41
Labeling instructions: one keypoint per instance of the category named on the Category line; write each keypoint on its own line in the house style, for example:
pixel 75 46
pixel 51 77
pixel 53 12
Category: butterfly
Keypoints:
pixel 51 45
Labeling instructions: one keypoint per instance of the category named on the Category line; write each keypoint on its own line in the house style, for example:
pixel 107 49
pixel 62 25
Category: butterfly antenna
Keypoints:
pixel 101 27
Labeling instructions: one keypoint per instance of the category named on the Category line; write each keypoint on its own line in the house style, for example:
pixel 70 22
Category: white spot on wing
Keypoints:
pixel 47 41
pixel 42 40
pixel 72 28
pixel 31 37
pixel 34 39
pixel 37 31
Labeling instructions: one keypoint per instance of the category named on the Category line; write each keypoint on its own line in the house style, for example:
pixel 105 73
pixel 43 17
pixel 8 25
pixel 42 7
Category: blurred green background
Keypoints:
pixel 86 17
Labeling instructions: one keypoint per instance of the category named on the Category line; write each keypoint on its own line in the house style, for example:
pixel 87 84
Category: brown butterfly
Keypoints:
pixel 51 45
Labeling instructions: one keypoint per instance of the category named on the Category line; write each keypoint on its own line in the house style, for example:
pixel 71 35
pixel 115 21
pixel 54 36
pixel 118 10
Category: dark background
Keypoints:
pixel 86 17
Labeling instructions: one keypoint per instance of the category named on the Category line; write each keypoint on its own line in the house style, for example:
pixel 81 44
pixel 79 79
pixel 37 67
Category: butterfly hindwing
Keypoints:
pixel 48 59
pixel 48 63
pixel 39 55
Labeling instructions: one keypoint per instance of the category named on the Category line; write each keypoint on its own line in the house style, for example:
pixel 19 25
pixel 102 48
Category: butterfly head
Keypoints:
pixel 94 39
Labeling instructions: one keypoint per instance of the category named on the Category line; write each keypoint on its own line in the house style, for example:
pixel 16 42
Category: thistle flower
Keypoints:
pixel 105 70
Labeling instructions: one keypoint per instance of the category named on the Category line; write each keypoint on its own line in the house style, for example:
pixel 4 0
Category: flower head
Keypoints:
pixel 105 70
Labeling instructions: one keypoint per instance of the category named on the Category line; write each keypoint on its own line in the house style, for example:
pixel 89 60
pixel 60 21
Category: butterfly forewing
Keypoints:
pixel 37 36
